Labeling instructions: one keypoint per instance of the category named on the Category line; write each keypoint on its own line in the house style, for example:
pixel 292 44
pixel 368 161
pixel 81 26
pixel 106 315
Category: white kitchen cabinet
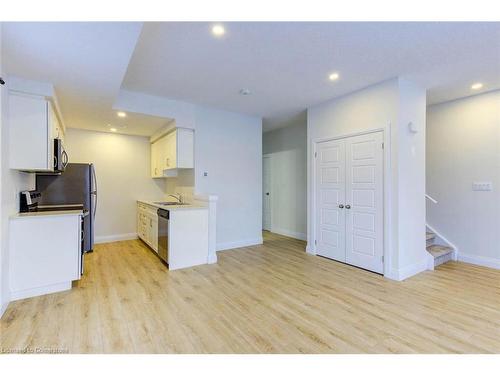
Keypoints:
pixel 155 170
pixel 188 233
pixel 45 253
pixel 147 225
pixel 171 152
pixel 33 126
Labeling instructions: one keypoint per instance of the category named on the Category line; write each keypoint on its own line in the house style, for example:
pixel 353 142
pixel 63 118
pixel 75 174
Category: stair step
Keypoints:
pixel 430 236
pixel 438 250
pixel 441 254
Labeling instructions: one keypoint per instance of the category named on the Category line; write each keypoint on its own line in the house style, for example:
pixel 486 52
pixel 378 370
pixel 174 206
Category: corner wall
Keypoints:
pixel 410 158
pixel 463 146
pixel 389 105
pixel 287 147
pixel 122 165
pixel 228 146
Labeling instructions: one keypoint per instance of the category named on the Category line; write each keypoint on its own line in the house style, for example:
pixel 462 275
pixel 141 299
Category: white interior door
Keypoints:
pixel 266 193
pixel 330 194
pixel 364 202
pixel 349 200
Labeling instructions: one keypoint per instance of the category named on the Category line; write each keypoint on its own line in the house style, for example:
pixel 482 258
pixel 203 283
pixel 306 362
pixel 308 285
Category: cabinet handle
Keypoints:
pixel 348 206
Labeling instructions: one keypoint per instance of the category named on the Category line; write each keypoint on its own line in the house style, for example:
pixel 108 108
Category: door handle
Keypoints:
pixel 341 206
pixel 267 193
pixel 348 206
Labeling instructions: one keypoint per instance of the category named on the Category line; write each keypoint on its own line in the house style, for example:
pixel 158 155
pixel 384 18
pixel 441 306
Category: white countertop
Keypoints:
pixel 21 215
pixel 174 207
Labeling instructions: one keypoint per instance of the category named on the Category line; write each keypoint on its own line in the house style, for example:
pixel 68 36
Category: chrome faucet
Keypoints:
pixel 178 197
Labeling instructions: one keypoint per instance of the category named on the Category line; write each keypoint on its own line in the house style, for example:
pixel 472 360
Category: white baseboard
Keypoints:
pixel 236 244
pixel 310 249
pixel 60 287
pixel 408 271
pixel 3 307
pixel 212 258
pixel 479 260
pixel 115 237
pixel 289 233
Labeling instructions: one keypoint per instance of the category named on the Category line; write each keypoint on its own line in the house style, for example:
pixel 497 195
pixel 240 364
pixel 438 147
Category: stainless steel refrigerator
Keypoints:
pixel 76 185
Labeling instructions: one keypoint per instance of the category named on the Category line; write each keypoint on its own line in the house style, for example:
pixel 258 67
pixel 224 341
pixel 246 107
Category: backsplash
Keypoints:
pixel 182 184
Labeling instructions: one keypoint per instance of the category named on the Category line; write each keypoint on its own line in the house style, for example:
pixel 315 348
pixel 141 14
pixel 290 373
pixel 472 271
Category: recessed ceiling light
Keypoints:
pixel 112 129
pixel 121 114
pixel 218 30
pixel 245 92
pixel 333 76
pixel 476 86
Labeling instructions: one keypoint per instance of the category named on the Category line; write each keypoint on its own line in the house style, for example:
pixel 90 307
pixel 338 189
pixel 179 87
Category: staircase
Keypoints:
pixel 441 254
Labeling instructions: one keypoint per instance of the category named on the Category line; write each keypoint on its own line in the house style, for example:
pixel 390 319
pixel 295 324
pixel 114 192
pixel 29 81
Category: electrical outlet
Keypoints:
pixel 482 186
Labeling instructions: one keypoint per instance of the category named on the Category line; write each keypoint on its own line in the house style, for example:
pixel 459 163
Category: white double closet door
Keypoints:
pixel 349 200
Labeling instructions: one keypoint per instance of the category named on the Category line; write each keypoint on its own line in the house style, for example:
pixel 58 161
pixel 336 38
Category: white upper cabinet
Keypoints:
pixel 155 171
pixel 33 127
pixel 173 151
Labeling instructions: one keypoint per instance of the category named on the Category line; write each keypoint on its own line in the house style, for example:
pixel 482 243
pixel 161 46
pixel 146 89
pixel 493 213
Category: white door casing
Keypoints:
pixel 266 193
pixel 365 197
pixel 349 180
pixel 330 195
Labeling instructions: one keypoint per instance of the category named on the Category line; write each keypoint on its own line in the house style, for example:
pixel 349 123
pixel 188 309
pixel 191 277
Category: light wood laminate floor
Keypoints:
pixel 272 298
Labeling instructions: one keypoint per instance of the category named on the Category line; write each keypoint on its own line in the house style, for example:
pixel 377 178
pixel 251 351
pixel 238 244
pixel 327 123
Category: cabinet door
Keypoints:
pixel 53 123
pixel 170 150
pixel 185 148
pixel 29 136
pixel 139 225
pixel 146 230
pixel 154 159
pixel 154 233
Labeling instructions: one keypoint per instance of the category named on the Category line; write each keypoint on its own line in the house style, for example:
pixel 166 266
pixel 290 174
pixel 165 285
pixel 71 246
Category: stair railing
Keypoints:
pixel 431 199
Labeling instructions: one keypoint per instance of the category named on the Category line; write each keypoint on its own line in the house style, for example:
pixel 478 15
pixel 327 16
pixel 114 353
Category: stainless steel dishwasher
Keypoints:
pixel 163 224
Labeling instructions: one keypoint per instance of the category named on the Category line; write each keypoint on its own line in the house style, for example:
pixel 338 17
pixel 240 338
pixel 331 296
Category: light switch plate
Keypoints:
pixel 482 186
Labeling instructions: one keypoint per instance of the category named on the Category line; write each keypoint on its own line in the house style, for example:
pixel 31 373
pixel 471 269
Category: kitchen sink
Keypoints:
pixel 171 203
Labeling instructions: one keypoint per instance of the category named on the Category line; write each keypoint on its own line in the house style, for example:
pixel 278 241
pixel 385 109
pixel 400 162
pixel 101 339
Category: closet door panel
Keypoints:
pixel 364 201
pixel 330 195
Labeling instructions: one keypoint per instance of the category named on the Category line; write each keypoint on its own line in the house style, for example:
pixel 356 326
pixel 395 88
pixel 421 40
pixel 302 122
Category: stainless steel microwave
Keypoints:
pixel 60 156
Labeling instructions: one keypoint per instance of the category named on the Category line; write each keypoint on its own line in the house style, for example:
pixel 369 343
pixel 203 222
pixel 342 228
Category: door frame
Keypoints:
pixel 270 157
pixel 386 188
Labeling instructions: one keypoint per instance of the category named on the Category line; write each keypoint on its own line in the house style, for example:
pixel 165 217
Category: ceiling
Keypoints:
pixel 285 65
pixel 85 61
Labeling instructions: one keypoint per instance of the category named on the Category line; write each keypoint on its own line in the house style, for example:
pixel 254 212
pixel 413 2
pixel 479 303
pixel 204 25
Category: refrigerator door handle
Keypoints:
pixel 65 159
pixel 94 191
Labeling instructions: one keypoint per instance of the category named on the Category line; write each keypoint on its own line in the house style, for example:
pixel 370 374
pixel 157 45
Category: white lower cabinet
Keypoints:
pixel 147 225
pixel 45 254
pixel 187 237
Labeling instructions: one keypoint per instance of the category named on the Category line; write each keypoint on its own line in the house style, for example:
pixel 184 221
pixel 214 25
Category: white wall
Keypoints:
pixel 287 147
pixel 410 159
pixel 463 146
pixel 122 164
pixel 12 182
pixel 389 105
pixel 229 147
